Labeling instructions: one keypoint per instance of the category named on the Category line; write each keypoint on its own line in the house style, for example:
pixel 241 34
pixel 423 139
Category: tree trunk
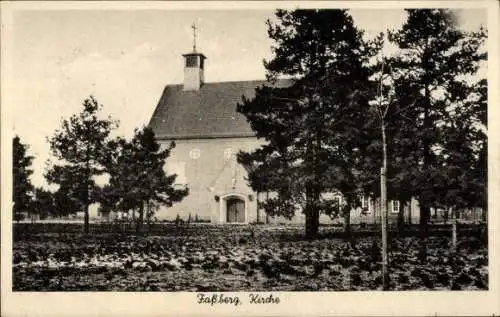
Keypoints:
pixel 86 220
pixel 308 221
pixel 383 223
pixel 424 218
pixel 347 223
pixel 409 212
pixel 424 232
pixel 148 215
pixel 453 231
pixel 308 212
pixel 87 192
pixel 315 222
pixel 140 221
pixel 312 224
pixel 401 216
pixel 315 211
pixel 134 220
pixel 312 219
pixel 383 208
pixel 267 214
pixel 258 211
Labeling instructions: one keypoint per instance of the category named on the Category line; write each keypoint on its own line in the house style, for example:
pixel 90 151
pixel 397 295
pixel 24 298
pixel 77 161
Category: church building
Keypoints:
pixel 202 120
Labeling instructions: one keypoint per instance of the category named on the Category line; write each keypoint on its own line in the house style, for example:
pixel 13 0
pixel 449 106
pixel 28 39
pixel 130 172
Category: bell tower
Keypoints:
pixel 194 67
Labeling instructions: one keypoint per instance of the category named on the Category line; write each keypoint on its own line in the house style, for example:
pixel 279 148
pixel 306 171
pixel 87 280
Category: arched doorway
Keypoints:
pixel 235 210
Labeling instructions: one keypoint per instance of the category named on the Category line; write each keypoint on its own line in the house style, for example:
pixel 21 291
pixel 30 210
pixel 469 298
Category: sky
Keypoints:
pixel 124 58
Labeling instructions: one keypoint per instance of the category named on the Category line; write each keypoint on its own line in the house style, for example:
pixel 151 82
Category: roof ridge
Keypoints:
pixel 232 81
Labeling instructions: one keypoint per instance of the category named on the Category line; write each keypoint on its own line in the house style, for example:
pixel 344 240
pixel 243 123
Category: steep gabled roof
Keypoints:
pixel 207 113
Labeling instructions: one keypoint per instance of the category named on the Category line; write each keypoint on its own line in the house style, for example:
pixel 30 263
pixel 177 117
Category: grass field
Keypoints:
pixel 58 257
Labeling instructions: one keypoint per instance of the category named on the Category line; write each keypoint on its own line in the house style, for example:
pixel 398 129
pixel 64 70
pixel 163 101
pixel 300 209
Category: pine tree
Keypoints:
pixel 431 89
pixel 21 172
pixel 137 176
pixel 80 147
pixel 43 203
pixel 68 198
pixel 314 128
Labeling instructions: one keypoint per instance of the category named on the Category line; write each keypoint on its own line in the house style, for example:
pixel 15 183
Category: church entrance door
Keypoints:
pixel 235 210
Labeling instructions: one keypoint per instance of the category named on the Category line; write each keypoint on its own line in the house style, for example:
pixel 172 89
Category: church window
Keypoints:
pixel 395 206
pixel 194 154
pixel 366 203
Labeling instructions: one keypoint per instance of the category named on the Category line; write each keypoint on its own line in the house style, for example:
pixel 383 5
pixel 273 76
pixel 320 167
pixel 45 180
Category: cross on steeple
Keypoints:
pixel 194 36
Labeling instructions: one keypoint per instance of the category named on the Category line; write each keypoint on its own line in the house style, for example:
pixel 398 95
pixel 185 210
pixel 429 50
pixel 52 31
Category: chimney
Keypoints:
pixel 193 70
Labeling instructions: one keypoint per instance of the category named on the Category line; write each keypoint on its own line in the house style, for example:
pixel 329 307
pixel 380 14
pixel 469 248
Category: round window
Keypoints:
pixel 194 154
